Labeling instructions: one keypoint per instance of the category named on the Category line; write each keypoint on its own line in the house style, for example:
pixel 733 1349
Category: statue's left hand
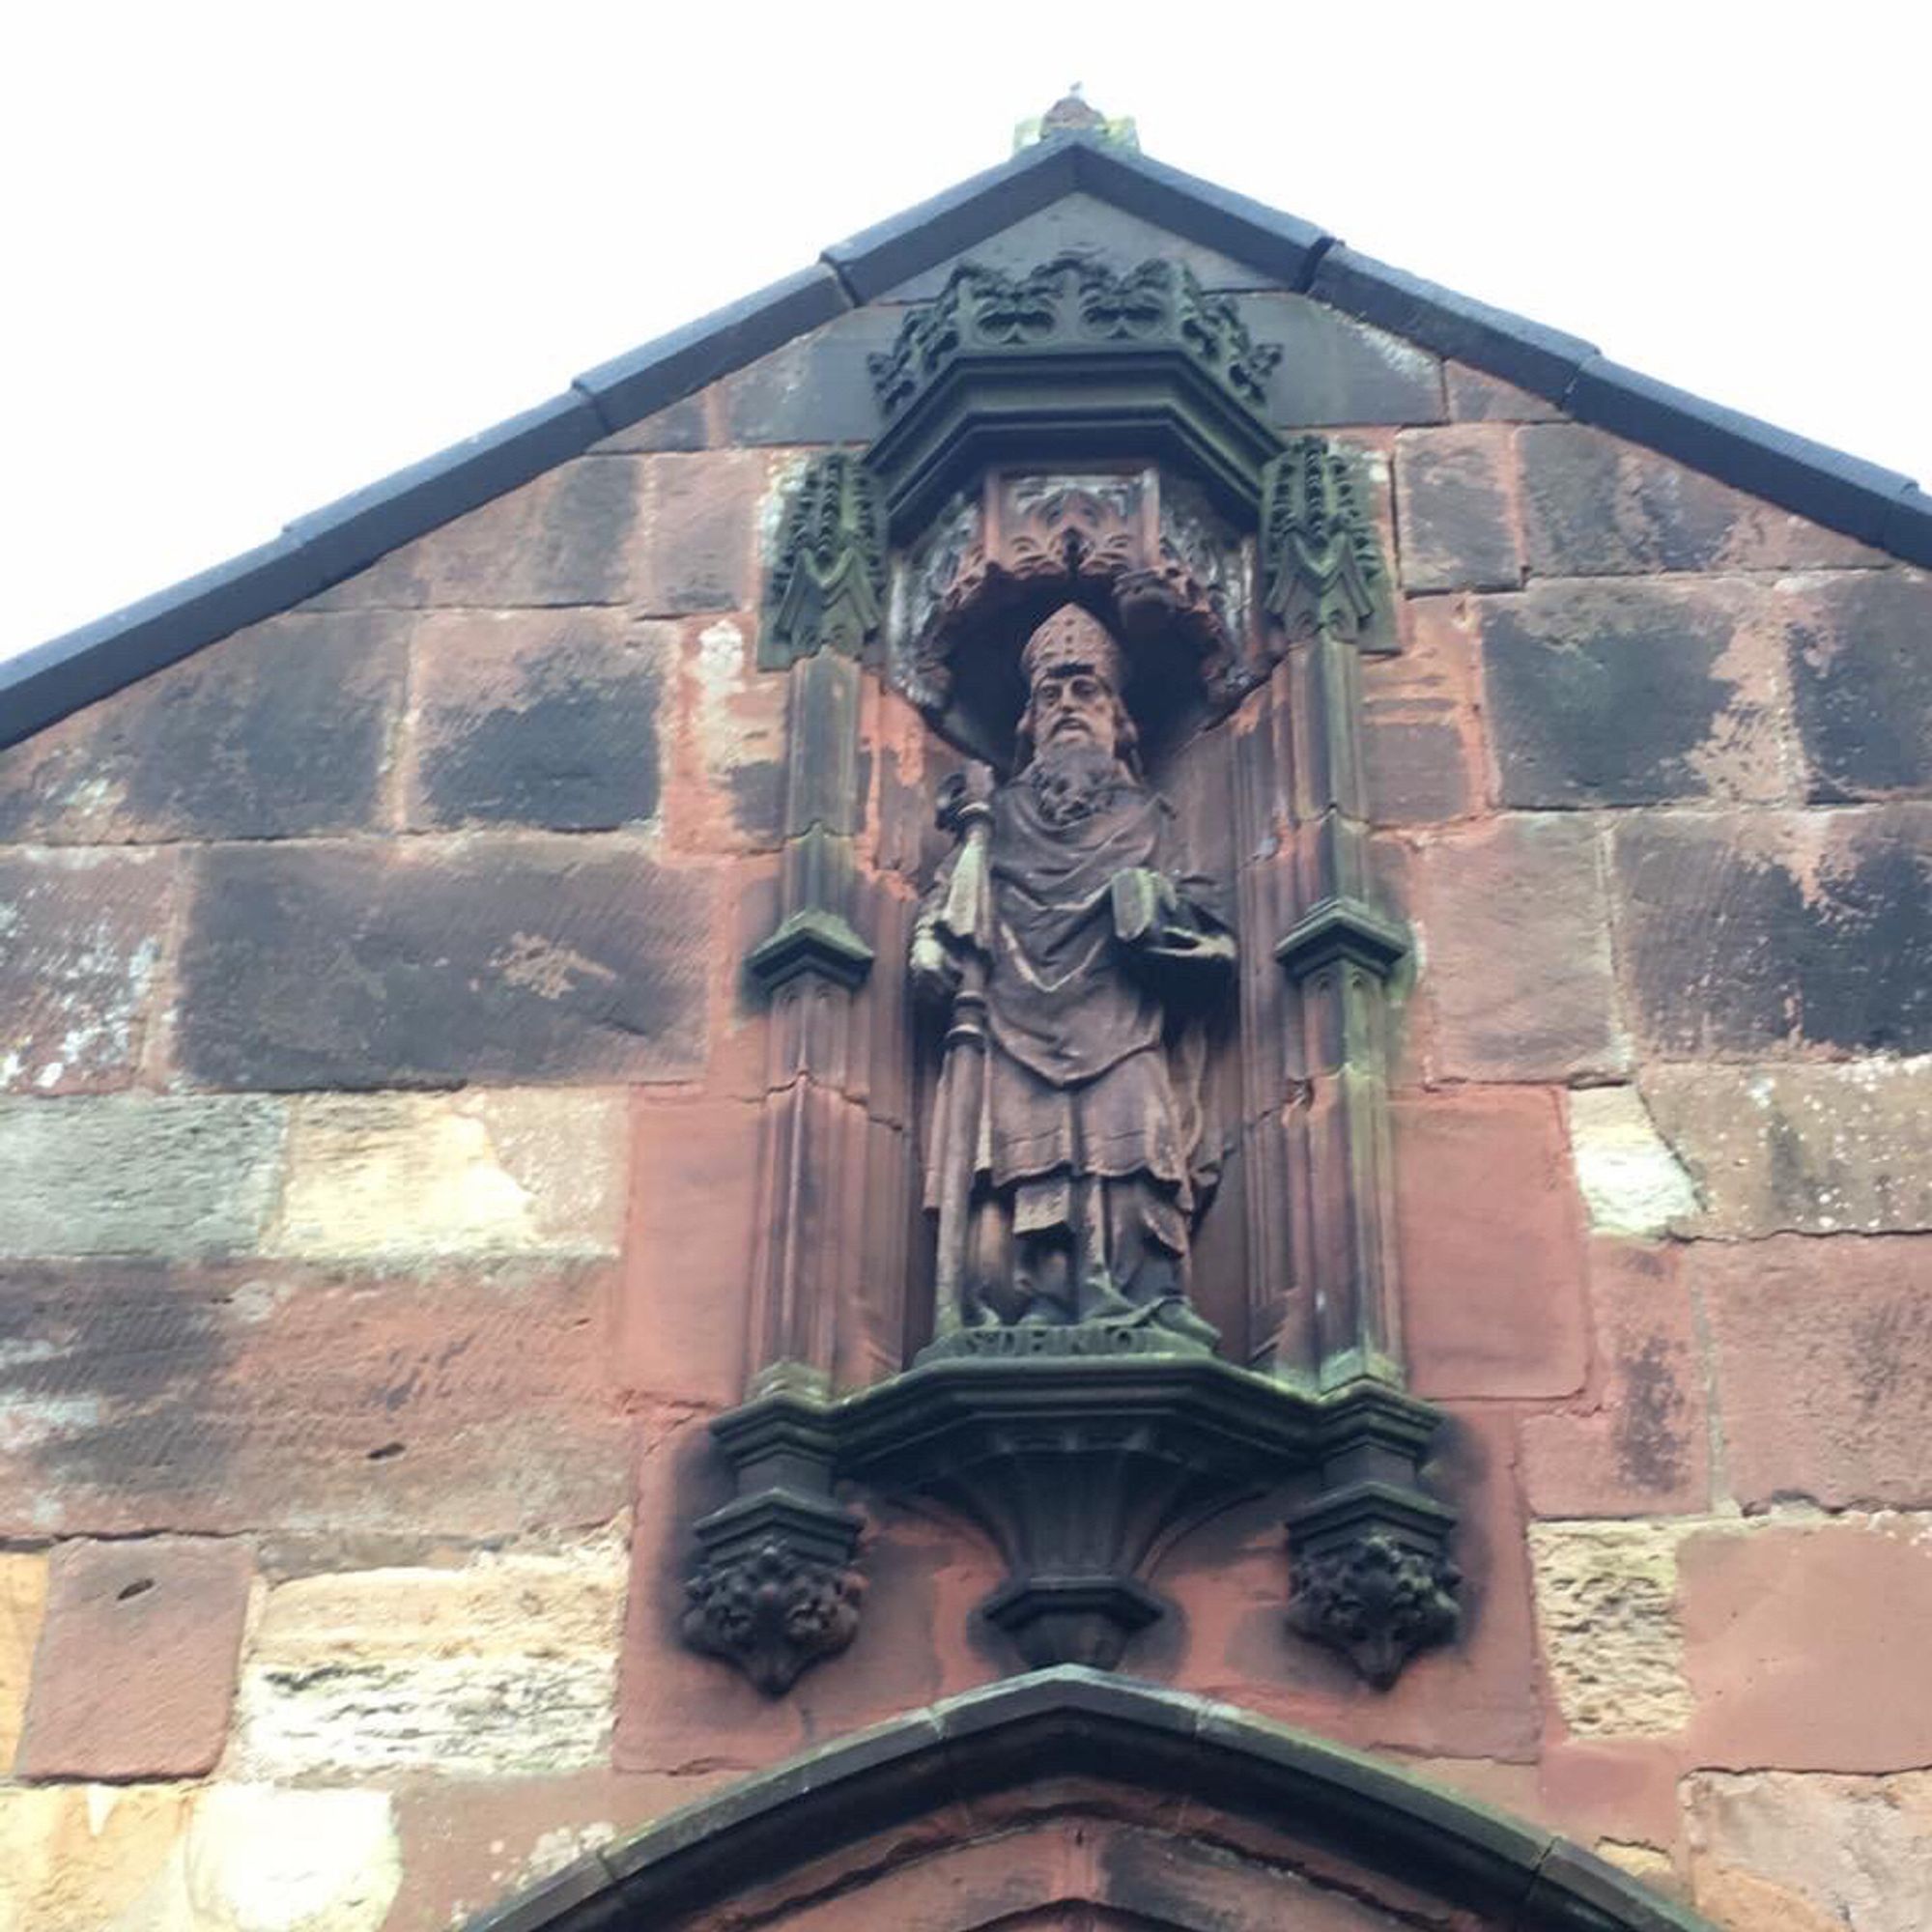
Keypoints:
pixel 1142 898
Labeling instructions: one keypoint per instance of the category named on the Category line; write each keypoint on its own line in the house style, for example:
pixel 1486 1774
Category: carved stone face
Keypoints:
pixel 1072 704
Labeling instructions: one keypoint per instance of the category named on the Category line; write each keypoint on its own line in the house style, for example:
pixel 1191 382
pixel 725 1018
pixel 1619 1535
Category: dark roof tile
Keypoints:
pixel 1907 528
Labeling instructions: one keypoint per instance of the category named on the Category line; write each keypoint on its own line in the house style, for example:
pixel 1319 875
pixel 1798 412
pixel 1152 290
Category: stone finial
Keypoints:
pixel 1071 114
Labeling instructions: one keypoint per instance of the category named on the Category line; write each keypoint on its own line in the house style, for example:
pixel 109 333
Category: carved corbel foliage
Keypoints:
pixel 776 1588
pixel 1374 1593
pixel 1369 1564
pixel 771 1608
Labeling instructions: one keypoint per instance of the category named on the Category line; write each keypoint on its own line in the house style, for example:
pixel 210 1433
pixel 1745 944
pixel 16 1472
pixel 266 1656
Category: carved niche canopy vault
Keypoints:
pixel 1158 1272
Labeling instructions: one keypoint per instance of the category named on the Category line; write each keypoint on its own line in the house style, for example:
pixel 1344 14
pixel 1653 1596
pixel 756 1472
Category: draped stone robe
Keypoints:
pixel 1089 1160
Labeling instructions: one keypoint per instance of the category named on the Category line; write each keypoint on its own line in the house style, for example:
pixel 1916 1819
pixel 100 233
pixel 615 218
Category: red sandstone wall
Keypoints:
pixel 378 1144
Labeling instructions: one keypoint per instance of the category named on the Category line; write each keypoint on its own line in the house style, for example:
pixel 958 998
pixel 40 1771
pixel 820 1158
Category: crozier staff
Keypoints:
pixel 1069 1161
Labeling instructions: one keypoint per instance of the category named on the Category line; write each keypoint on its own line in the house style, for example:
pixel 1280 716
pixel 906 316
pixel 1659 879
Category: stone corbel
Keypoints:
pixel 775 1587
pixel 1372 1577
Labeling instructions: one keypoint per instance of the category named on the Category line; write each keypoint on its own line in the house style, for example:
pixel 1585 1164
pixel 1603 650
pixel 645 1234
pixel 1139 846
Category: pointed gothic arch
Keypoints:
pixel 1070 1798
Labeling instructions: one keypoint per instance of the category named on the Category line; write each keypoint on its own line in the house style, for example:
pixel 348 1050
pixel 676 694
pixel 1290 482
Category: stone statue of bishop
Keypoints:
pixel 1080 956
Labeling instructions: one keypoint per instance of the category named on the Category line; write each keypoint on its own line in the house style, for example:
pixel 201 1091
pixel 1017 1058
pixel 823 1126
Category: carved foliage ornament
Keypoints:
pixel 1073 300
pixel 827 589
pixel 1141 542
pixel 772 1610
pixel 1378 1600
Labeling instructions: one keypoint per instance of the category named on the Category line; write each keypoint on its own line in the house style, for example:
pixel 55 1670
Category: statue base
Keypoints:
pixel 1016 1341
pixel 1080 1459
pixel 1078 1464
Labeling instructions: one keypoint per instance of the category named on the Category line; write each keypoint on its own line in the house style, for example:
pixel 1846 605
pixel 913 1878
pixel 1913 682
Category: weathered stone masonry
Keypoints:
pixel 352 1391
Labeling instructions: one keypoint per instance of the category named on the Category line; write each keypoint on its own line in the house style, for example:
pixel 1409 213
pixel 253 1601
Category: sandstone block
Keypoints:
pixel 1642 1447
pixel 1830 1853
pixel 1477 397
pixel 1863 680
pixel 82 940
pixel 566 537
pixel 259 1859
pixel 1812 1149
pixel 435 964
pixel 471 1402
pixel 698 542
pixel 503 1665
pixel 469 1843
pixel 1743 932
pixel 681 1323
pixel 681 425
pixel 1596 506
pixel 1336 371
pixel 1632 1181
pixel 1492 1245
pixel 79 1855
pixel 731 746
pixel 24 1596
pixel 1606 1602
pixel 1422 744
pixel 1823 1356
pixel 1619 1788
pixel 1634 694
pixel 406 1176
pixel 127 1174
pixel 814 389
pixel 538 718
pixel 1803 1646
pixel 1517 959
pixel 280 729
pixel 165 1613
pixel 1743 1902
pixel 1455 494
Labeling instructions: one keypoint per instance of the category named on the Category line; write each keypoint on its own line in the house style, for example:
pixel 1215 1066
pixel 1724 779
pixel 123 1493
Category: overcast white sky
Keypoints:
pixel 261 255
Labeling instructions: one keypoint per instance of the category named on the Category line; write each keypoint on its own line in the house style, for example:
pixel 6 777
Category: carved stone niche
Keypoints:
pixel 1089 513
pixel 1144 549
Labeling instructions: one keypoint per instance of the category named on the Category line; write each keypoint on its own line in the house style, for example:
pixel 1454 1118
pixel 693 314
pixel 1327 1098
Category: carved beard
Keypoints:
pixel 1073 781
